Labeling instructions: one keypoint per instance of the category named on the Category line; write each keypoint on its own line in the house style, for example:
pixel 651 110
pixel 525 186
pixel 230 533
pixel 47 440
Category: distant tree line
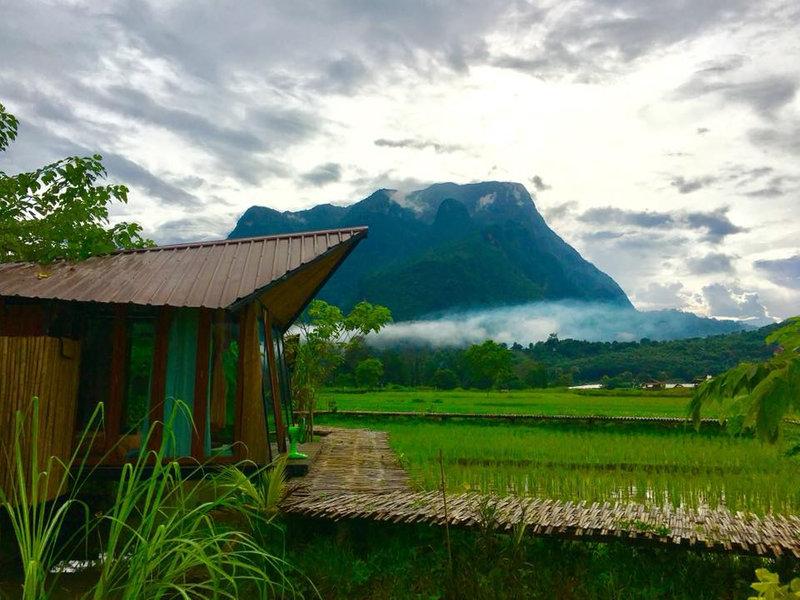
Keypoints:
pixel 551 363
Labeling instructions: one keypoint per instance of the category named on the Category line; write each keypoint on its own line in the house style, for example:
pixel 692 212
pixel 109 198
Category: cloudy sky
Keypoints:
pixel 659 137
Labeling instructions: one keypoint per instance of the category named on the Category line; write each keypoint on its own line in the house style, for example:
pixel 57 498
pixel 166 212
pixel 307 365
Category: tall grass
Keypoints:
pixel 36 522
pixel 171 531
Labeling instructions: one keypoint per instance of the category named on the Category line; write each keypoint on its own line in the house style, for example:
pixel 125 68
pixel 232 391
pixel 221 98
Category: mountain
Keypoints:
pixel 446 247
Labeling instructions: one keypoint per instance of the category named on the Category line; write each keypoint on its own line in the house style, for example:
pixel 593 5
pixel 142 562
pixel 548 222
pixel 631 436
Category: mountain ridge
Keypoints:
pixel 486 241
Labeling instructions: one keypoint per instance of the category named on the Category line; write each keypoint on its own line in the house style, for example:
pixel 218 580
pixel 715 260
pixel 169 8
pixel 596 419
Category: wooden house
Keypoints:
pixel 199 323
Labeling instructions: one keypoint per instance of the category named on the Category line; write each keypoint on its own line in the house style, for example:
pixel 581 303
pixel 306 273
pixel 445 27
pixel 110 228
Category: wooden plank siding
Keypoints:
pixel 48 368
pixel 116 395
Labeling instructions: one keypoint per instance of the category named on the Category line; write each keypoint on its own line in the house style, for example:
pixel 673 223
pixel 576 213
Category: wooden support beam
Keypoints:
pixel 201 381
pixel 116 394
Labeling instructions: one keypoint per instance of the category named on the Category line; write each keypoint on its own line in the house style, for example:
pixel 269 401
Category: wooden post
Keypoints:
pixel 280 427
pixel 200 409
pixel 159 378
pixel 116 395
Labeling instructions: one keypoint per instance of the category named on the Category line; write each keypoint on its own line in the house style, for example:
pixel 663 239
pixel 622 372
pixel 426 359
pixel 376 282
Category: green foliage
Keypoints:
pixel 489 364
pixel 769 586
pixel 369 373
pixel 59 211
pixel 758 395
pixel 327 335
pixel 35 522
pixel 561 362
pixel 406 562
pixel 445 379
pixel 168 533
pixel 8 127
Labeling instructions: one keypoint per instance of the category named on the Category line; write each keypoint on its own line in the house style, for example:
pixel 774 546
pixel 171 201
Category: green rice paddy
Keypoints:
pixel 605 462
pixel 667 403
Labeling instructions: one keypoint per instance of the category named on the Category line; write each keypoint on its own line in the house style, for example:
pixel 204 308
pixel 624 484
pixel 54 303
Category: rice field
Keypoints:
pixel 558 401
pixel 611 463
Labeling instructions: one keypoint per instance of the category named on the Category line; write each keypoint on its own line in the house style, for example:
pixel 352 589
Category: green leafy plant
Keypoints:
pixel 167 539
pixel 758 395
pixel 37 523
pixel 59 211
pixel 769 586
pixel 326 334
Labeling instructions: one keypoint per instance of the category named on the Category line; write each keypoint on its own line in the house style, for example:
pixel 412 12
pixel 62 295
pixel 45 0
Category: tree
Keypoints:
pixel 758 395
pixel 369 373
pixel 326 334
pixel 535 375
pixel 59 211
pixel 445 379
pixel 488 363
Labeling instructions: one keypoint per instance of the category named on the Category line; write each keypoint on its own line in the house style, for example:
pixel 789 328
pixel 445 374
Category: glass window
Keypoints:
pixel 141 347
pixel 224 373
pixel 283 375
pixel 95 367
pixel 266 382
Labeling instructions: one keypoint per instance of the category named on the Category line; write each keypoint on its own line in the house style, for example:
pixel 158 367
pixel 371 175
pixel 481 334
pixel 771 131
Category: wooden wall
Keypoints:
pixel 48 368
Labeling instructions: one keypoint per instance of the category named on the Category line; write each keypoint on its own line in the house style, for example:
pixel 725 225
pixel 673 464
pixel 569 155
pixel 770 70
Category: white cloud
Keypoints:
pixel 603 99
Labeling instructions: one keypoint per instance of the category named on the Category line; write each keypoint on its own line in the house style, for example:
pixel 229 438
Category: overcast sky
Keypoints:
pixel 661 138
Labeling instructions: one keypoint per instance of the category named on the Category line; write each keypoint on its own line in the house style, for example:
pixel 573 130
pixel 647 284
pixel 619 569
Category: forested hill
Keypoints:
pixel 446 247
pixel 567 361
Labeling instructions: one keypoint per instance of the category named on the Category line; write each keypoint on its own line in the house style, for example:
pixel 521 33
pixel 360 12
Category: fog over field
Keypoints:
pixel 536 321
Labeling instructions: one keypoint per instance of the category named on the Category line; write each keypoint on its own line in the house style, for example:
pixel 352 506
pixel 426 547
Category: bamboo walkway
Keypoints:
pixel 357 476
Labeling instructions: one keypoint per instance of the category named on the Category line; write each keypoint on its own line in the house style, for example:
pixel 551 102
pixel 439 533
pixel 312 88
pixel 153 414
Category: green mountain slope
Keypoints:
pixel 447 246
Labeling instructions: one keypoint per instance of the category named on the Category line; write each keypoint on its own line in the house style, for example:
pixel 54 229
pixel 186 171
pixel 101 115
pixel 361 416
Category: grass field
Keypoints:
pixel 605 463
pixel 667 403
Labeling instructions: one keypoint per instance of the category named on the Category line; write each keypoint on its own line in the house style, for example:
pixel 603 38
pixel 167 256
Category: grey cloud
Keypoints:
pixel 702 130
pixel 661 295
pixel 764 94
pixel 687 186
pixel 713 262
pixel 418 144
pixel 782 271
pixel 539 184
pixel 559 211
pixel 136 175
pixel 323 174
pixel 189 229
pixel 785 138
pixel 592 39
pixel 715 225
pixel 609 214
pixel 730 301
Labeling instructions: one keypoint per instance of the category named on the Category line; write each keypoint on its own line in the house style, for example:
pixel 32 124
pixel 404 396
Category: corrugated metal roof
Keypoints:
pixel 204 274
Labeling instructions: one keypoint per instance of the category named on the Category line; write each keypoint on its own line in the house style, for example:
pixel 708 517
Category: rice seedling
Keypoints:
pixel 650 465
pixel 558 401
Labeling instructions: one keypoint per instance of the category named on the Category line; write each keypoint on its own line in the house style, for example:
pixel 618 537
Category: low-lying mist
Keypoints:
pixel 536 321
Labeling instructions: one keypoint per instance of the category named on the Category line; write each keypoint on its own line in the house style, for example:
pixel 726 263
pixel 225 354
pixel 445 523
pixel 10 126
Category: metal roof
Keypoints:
pixel 213 274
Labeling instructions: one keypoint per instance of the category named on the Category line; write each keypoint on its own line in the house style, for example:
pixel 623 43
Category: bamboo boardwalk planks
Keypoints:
pixel 357 476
